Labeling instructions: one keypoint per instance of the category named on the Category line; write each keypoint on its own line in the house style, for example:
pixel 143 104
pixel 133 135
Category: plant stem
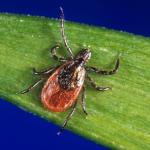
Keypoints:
pixel 118 118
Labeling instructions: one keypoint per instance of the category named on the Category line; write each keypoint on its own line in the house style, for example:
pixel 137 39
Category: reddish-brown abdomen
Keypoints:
pixel 57 99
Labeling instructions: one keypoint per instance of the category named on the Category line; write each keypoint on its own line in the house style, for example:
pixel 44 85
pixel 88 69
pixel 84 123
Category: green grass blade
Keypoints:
pixel 119 118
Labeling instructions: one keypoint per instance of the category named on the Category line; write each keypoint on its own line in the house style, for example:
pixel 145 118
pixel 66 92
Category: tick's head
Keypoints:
pixel 84 55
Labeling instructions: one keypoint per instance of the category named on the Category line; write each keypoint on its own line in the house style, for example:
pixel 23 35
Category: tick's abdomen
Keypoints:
pixel 56 98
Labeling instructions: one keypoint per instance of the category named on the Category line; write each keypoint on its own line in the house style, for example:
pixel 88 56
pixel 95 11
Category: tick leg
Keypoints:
pixel 68 118
pixel 93 84
pixel 63 33
pixel 105 72
pixel 83 104
pixel 55 55
pixel 44 72
pixel 31 86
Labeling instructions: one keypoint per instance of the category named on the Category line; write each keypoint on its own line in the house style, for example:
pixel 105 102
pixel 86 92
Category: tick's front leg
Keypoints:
pixel 63 34
pixel 104 72
pixel 93 84
pixel 55 55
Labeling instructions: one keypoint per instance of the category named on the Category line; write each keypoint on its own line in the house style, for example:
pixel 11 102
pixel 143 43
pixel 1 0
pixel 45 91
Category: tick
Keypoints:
pixel 65 82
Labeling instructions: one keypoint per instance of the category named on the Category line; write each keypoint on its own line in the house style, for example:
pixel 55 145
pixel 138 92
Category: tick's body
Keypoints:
pixel 63 86
pixel 65 83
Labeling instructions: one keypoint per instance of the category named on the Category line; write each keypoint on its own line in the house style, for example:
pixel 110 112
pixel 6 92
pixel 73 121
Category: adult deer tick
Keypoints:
pixel 65 82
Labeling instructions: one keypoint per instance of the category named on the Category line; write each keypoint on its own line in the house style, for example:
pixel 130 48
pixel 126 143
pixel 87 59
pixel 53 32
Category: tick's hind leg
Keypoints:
pixel 83 104
pixel 68 118
pixel 93 84
pixel 105 72
pixel 31 86
pixel 55 55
